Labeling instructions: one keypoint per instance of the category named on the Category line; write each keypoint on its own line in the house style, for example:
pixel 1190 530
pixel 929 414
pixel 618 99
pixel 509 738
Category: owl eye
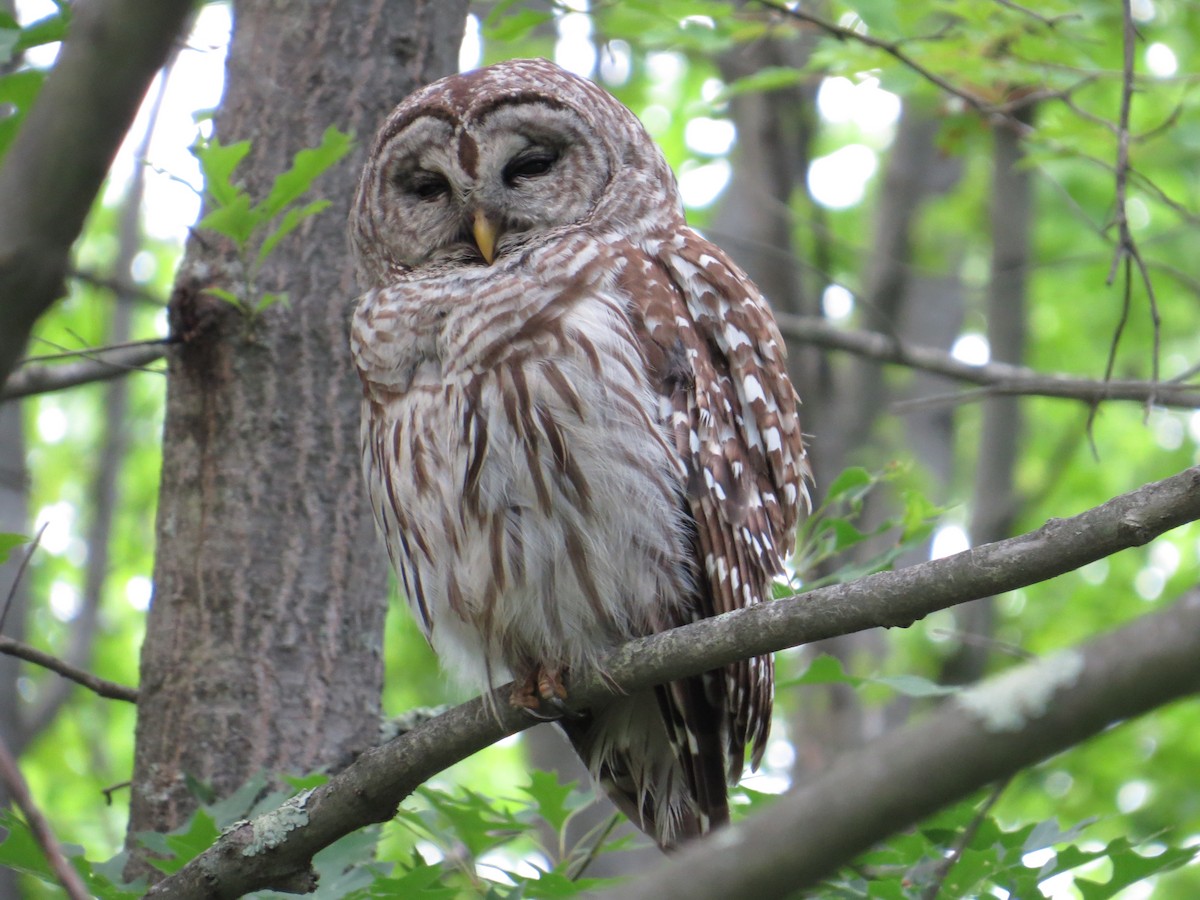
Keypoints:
pixel 428 185
pixel 530 164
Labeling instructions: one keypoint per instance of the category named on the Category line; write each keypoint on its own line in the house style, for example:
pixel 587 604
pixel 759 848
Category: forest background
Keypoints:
pixel 976 221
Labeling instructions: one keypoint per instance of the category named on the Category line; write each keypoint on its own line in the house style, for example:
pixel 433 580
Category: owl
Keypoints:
pixel 577 424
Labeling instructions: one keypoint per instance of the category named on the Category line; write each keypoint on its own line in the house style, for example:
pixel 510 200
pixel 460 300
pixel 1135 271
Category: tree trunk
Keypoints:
pixel 263 645
pixel 995 497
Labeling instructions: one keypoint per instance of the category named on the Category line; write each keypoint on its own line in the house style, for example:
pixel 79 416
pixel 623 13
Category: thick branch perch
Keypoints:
pixel 59 158
pixel 370 789
pixel 987 733
pixel 998 377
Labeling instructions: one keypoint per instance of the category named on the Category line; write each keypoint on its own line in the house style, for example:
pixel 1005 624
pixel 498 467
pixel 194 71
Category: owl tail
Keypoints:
pixel 660 757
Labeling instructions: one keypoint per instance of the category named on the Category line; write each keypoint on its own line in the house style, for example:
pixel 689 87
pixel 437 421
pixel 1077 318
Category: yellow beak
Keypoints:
pixel 485 236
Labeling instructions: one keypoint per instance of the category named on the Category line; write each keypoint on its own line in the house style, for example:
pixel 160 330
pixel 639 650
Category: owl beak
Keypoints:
pixel 485 236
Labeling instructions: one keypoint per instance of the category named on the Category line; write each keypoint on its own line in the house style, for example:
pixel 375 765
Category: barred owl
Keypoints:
pixel 577 424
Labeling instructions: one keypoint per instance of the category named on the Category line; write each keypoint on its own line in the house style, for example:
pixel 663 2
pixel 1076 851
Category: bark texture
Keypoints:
pixel 263 645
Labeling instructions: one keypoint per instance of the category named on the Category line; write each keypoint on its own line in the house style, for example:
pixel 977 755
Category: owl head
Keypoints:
pixel 482 165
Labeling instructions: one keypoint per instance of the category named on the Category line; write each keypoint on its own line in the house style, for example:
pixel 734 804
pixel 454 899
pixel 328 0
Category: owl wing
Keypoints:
pixel 720 365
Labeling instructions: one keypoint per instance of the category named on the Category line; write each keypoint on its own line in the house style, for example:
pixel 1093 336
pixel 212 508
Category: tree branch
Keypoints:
pixel 1004 113
pixel 109 689
pixel 985 734
pixel 56 164
pixel 272 851
pixel 997 377
pixel 1127 250
pixel 101 365
pixel 10 775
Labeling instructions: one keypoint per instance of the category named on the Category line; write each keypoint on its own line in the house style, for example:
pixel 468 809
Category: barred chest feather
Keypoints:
pixel 518 468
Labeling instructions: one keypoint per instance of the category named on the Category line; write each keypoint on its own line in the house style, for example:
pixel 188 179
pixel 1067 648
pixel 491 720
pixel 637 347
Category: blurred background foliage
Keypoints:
pixel 684 68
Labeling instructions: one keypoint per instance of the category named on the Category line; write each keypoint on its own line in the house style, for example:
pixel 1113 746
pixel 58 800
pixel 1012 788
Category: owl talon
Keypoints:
pixel 542 695
pixel 550 686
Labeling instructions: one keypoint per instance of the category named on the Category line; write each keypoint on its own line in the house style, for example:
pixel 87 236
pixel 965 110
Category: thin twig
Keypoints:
pixel 108 689
pixel 113 364
pixel 996 377
pixel 10 774
pixel 1126 302
pixel 964 840
pixel 91 352
pixel 112 789
pixel 894 50
pixel 576 870
pixel 1048 21
pixel 1127 250
pixel 16 583
pixel 121 287
pixel 982 640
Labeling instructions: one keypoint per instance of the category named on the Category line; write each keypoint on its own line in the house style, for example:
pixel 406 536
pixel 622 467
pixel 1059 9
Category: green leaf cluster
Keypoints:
pixel 966 852
pixel 20 86
pixel 834 527
pixel 257 228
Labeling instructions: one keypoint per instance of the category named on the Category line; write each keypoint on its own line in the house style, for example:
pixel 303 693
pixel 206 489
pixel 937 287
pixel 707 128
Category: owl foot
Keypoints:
pixel 542 695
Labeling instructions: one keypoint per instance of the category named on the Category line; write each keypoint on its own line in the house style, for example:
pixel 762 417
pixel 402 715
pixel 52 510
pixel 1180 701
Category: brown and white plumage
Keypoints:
pixel 578 426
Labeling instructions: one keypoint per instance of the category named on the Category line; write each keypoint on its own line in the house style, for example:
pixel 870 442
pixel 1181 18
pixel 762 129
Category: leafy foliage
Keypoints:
pixel 257 228
pixel 965 852
pixel 1093 818
pixel 833 528
pixel 19 88
pixel 8 542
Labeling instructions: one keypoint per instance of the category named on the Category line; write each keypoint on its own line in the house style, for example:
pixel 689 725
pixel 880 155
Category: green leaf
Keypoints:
pixel 217 162
pixel 1129 867
pixel 235 220
pixel 9 38
pixel 878 15
pixel 8 542
pixel 920 515
pixel 824 670
pixel 306 782
pixel 418 880
pixel 517 26
pixel 848 480
pixel 201 790
pixel 17 91
pixel 175 850
pixel 348 865
pixel 291 219
pixel 19 850
pixel 914 686
pixel 844 534
pixel 306 166
pixel 769 78
pixel 49 30
pixel 266 301
pixel 829 670
pixel 551 797
pixel 228 296
pixel 473 818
